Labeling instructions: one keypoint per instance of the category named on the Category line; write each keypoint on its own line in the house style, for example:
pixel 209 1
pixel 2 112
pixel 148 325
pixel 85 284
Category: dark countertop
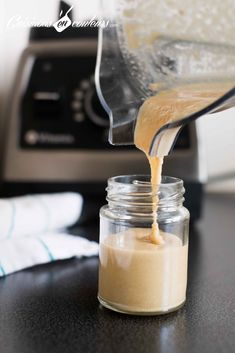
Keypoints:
pixel 53 308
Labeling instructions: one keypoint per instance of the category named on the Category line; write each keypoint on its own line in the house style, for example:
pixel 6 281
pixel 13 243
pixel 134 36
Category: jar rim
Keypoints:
pixel 144 180
pixel 136 190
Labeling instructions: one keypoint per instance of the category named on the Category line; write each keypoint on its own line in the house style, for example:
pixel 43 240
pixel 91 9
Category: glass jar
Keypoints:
pixel 137 276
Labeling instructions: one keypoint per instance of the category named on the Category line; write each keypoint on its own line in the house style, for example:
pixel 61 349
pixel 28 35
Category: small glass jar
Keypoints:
pixel 137 276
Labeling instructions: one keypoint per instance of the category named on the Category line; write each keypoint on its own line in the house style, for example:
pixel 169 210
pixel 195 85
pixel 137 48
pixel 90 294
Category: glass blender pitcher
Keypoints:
pixel 149 46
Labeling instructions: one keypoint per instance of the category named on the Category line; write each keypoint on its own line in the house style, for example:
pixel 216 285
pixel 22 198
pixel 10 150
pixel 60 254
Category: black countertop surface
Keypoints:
pixel 53 308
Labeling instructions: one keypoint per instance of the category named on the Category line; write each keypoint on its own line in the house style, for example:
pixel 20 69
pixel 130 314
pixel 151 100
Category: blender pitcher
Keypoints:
pixel 149 46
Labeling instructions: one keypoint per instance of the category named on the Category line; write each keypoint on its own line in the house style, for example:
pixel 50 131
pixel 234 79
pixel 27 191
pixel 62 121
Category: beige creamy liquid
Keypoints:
pixel 167 106
pixel 135 275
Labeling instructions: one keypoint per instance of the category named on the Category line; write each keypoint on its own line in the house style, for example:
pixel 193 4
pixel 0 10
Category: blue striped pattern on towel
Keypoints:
pixel 50 255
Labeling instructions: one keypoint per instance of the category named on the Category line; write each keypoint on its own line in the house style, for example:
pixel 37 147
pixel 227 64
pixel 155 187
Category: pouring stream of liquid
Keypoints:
pixel 165 107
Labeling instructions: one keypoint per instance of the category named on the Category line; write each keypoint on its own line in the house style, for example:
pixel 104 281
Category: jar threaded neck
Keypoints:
pixel 135 193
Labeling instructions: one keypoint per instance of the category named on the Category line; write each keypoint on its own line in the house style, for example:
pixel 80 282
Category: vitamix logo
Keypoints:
pixel 60 25
pixel 33 137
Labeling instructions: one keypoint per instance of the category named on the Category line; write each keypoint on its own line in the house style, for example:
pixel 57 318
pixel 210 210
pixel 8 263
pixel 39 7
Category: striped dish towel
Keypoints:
pixel 32 231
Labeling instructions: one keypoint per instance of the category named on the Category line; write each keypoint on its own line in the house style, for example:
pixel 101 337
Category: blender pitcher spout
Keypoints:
pixel 165 138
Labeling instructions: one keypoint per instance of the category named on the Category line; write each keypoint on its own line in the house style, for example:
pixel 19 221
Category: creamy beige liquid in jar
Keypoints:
pixel 136 275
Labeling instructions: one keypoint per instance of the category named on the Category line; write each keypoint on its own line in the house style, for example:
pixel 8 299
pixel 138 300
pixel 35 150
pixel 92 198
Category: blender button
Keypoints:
pixel 78 94
pixel 31 137
pixel 76 105
pixel 47 66
pixel 78 117
pixel 85 84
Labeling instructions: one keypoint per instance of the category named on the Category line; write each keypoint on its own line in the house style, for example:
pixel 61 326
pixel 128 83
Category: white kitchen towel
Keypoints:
pixel 31 231
pixel 34 214
pixel 23 252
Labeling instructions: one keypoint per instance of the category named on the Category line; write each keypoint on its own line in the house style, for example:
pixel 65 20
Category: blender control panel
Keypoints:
pixel 60 109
